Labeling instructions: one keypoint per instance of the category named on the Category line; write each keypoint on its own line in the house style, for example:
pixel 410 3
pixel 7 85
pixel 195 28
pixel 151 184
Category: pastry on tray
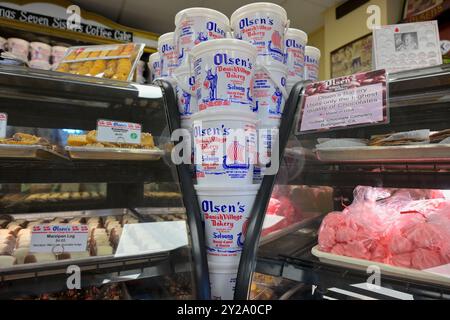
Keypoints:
pixel 90 140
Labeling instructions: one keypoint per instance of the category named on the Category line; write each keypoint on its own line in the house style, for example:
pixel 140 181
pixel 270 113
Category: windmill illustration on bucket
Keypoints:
pixel 275 43
pixel 236 153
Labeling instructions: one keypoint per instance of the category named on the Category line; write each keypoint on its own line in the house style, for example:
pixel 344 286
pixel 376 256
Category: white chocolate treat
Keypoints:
pixel 7 261
pixel 20 254
pixel 103 250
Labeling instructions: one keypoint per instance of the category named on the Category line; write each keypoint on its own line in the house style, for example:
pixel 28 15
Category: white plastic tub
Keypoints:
pixel 195 25
pixel 224 71
pixel 166 49
pixel 154 65
pixel 187 102
pixel 312 60
pixel 264 25
pixel 225 213
pixel 225 146
pixel 294 48
pixel 269 93
pixel 222 278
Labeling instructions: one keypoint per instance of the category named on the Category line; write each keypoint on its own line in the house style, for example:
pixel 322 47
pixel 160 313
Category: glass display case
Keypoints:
pixel 140 242
pixel 318 222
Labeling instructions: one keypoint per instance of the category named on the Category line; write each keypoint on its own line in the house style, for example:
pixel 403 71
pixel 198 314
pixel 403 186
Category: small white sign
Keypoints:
pixel 59 238
pixel 3 124
pixel 407 46
pixel 118 132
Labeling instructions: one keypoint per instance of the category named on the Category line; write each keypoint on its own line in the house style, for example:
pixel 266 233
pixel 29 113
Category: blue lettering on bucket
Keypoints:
pixel 223 58
pixel 246 22
pixel 210 206
pixel 167 47
pixel 212 26
pixel 218 235
pixel 291 43
pixel 220 131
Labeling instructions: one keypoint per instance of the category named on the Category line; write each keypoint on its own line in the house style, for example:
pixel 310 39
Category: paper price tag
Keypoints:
pixel 356 100
pixel 59 238
pixel 118 132
pixel 3 124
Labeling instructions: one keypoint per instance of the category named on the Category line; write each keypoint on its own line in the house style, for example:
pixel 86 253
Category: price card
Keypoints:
pixel 356 100
pixel 3 124
pixel 118 132
pixel 59 238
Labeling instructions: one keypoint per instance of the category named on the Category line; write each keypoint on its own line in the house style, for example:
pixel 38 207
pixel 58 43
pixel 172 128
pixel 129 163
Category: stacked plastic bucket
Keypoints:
pixel 231 79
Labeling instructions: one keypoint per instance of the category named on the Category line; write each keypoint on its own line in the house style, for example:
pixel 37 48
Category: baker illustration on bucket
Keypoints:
pixel 236 153
pixel 211 84
pixel 275 44
pixel 277 98
pixel 186 103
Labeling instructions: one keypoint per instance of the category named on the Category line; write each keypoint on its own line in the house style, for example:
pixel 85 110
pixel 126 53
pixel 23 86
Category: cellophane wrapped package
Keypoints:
pixel 402 227
pixel 116 61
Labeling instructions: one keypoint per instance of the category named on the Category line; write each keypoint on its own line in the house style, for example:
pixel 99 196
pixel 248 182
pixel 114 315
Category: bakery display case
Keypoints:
pixel 126 198
pixel 347 202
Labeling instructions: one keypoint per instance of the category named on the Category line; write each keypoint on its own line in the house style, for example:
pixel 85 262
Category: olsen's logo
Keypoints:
pixel 213 27
pixel 167 47
pixel 246 22
pixel 220 131
pixel 210 206
pixel 223 58
pixel 292 43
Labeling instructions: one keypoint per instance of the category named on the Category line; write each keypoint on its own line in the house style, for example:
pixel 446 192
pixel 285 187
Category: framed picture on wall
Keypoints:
pixel 423 10
pixel 354 57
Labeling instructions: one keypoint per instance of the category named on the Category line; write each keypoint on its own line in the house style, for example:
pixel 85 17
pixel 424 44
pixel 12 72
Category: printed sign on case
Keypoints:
pixel 3 124
pixel 59 238
pixel 118 132
pixel 407 46
pixel 356 100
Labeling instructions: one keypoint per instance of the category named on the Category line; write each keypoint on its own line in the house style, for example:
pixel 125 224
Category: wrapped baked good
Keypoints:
pixel 117 61
pixel 39 258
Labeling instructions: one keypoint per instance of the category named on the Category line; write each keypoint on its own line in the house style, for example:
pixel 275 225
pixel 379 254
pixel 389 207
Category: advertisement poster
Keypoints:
pixel 356 100
pixel 407 46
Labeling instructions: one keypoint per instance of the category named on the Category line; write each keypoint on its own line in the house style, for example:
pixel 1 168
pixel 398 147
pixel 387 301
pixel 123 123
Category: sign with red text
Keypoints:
pixel 118 132
pixel 356 100
pixel 59 238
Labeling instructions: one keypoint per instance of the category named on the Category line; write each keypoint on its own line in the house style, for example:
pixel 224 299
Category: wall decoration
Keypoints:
pixel 352 58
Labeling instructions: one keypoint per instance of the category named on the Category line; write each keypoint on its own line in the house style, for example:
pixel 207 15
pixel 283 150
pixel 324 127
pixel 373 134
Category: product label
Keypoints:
pixel 225 224
pixel 59 238
pixel 3 124
pixel 295 58
pixel 223 79
pixel 222 151
pixel 265 32
pixel 193 30
pixel 118 132
pixel 269 100
pixel 355 100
